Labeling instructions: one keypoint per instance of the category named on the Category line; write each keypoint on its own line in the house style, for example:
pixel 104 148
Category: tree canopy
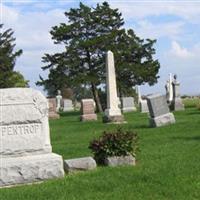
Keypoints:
pixel 87 36
pixel 8 56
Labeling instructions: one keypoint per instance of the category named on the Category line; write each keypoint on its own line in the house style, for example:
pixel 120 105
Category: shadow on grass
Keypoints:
pixel 186 138
pixel 197 112
pixel 69 114
pixel 143 126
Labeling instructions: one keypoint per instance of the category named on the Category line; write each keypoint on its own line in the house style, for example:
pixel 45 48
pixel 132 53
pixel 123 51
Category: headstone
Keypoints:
pixel 177 103
pixel 112 113
pixel 169 89
pixel 26 153
pixel 138 94
pixel 159 111
pixel 142 103
pixel 143 106
pixel 128 104
pixel 58 101
pixel 67 105
pixel 52 109
pixel 88 110
pixel 79 164
pixel 120 160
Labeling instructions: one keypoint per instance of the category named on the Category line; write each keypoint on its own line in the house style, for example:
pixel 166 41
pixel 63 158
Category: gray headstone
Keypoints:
pixel 128 104
pixel 176 103
pixel 157 105
pixel 143 106
pixel 79 164
pixel 159 111
pixel 26 154
pixel 120 160
pixel 67 105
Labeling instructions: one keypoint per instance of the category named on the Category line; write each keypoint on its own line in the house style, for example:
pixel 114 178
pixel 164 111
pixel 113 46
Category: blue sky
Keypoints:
pixel 175 25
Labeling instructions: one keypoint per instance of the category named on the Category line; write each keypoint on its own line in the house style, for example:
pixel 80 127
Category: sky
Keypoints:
pixel 175 25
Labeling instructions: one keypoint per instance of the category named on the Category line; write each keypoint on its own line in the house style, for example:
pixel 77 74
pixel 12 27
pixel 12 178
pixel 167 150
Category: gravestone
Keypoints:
pixel 143 106
pixel 177 103
pixel 159 111
pixel 169 89
pixel 67 105
pixel 112 113
pixel 88 110
pixel 58 101
pixel 128 104
pixel 142 103
pixel 52 109
pixel 26 153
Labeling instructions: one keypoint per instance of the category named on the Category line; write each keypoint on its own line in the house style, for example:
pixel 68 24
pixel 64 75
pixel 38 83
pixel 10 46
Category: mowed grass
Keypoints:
pixel 168 164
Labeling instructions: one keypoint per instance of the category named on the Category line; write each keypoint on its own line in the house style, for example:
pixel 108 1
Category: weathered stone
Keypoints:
pixel 67 105
pixel 52 109
pixel 128 104
pixel 25 148
pixel 112 99
pixel 58 101
pixel 88 110
pixel 143 106
pixel 157 105
pixel 119 160
pixel 177 103
pixel 114 119
pixel 159 111
pixel 162 120
pixel 79 164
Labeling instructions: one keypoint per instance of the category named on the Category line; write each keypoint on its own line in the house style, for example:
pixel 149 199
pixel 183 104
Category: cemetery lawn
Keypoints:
pixel 168 164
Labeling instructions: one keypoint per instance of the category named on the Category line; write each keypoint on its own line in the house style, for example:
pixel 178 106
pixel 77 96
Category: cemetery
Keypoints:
pixel 92 132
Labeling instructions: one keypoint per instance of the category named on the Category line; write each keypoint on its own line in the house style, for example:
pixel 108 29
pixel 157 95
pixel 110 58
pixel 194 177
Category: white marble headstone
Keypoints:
pixel 25 149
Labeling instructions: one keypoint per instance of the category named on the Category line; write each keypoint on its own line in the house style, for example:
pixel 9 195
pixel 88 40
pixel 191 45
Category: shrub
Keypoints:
pixel 115 143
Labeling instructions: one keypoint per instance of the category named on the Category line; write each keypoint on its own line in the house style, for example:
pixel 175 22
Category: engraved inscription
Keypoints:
pixel 22 129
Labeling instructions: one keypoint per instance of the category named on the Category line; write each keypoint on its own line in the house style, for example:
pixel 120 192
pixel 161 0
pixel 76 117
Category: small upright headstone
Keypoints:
pixel 143 106
pixel 52 109
pixel 67 105
pixel 88 110
pixel 142 103
pixel 58 101
pixel 25 149
pixel 128 104
pixel 112 113
pixel 159 111
pixel 169 89
pixel 177 103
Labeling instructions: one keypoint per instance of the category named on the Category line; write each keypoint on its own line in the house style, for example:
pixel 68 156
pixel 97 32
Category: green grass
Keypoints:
pixel 168 164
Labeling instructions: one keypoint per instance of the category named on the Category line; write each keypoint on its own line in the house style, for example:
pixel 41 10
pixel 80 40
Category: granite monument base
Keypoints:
pixel 29 169
pixel 118 119
pixel 54 116
pixel 125 110
pixel 162 120
pixel 89 117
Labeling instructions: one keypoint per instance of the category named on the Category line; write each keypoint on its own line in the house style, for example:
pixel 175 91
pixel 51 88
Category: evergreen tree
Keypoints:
pixel 8 77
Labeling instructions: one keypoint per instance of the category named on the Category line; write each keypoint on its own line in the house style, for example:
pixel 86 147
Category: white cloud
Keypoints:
pixel 146 29
pixel 31 29
pixel 141 9
pixel 180 52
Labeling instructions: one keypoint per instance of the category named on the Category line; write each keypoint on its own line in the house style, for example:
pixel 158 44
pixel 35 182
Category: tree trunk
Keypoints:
pixel 96 98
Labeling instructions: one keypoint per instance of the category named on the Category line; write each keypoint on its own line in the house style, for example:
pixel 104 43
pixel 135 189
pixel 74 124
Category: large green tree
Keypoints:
pixel 89 33
pixel 8 56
